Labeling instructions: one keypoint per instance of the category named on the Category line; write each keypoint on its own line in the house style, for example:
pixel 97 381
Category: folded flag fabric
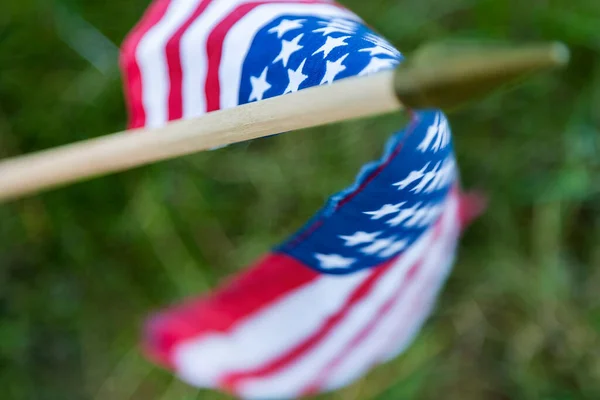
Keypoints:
pixel 350 289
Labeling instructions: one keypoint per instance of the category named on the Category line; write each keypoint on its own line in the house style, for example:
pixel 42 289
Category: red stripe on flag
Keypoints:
pixel 214 47
pixel 274 276
pixel 132 76
pixel 174 63
pixel 232 380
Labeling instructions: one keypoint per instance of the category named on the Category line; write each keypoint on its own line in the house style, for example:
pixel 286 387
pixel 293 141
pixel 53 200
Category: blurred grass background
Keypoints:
pixel 80 267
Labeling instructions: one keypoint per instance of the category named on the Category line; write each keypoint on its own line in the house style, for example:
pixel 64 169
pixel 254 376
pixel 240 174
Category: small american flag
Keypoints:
pixel 350 289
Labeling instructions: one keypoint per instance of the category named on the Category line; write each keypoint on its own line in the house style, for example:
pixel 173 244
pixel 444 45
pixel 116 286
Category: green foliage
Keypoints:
pixel 80 267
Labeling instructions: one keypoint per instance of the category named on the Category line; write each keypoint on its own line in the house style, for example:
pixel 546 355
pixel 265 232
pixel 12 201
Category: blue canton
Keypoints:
pixel 293 53
pixel 395 200
pixel 392 204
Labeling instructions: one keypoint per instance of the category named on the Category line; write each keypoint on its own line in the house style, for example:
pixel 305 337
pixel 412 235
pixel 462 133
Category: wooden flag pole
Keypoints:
pixel 424 81
pixel 350 98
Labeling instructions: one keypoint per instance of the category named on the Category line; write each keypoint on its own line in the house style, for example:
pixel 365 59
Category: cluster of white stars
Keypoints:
pixel 418 215
pixel 337 25
pixel 383 46
pixel 333 68
pixel 428 179
pixel 438 135
pixel 372 245
pixel 385 247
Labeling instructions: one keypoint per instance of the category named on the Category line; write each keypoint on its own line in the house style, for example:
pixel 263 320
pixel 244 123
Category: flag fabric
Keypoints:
pixel 352 288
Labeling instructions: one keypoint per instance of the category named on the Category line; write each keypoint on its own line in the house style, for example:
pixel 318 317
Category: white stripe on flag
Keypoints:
pixel 150 54
pixel 240 37
pixel 297 376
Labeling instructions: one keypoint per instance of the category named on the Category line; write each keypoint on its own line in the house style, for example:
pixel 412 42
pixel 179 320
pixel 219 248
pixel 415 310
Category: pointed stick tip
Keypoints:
pixel 559 54
pixel 445 77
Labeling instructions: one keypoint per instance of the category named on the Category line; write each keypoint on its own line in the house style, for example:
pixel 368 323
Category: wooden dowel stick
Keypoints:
pixel 350 98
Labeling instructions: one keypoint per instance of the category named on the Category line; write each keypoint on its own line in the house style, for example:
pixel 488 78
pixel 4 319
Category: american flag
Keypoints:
pixel 351 288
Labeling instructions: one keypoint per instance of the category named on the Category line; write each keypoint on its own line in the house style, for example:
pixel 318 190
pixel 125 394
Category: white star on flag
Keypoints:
pixel 444 176
pixel 296 78
pixel 432 214
pixel 259 86
pixel 378 50
pixel 428 177
pixel 438 131
pixel 394 248
pixel 420 215
pixel 412 177
pixel 378 246
pixel 333 69
pixel 331 44
pixel 378 41
pixel 288 48
pixel 360 238
pixel 334 261
pixel 403 215
pixel 443 137
pixel 377 64
pixel 337 26
pixel 285 26
pixel 432 132
pixel 425 216
pixel 385 210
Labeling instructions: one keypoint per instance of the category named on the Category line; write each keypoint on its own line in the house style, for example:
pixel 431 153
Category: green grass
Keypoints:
pixel 80 267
